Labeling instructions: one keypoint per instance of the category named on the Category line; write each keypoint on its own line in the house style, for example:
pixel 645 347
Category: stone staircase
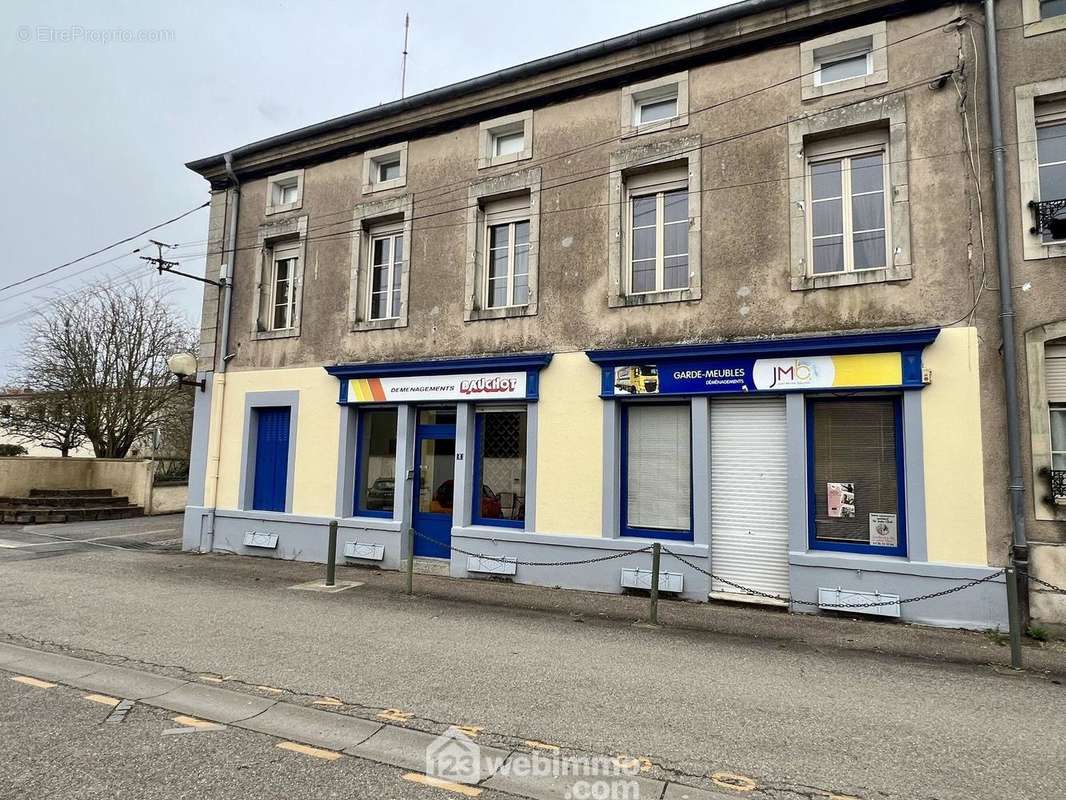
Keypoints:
pixel 66 505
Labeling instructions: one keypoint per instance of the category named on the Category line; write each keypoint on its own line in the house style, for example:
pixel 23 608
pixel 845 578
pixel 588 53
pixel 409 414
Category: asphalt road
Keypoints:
pixel 801 719
pixel 55 743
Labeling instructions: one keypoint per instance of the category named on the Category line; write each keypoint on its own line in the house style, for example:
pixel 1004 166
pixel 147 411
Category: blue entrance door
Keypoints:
pixel 271 459
pixel 434 480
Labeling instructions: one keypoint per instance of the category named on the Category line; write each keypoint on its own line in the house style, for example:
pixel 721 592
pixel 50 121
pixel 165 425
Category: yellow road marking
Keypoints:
pixel 102 699
pixel 314 752
pixel 738 783
pixel 270 689
pixel 554 748
pixel 470 731
pixel 327 701
pixel 33 682
pixel 193 722
pixel 632 763
pixel 210 679
pixel 394 715
pixel 428 780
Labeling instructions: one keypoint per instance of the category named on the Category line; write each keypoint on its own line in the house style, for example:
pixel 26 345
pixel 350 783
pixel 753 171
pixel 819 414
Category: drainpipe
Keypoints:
pixel 1019 556
pixel 222 354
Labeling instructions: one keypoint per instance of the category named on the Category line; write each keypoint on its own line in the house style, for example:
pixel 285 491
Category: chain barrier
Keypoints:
pixel 1050 586
pixel 499 560
pixel 779 598
pixel 740 587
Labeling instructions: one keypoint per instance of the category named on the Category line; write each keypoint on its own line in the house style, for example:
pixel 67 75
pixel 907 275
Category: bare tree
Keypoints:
pixel 103 352
pixel 47 420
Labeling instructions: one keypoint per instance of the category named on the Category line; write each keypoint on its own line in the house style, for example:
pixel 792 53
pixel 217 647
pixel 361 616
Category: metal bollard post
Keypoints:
pixel 331 555
pixel 1014 617
pixel 409 584
pixel 653 611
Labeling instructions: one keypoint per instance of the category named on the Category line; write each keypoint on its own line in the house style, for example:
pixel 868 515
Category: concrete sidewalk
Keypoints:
pixel 389 744
pixel 800 704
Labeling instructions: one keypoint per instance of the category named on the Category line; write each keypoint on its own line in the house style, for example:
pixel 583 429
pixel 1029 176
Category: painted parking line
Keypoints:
pixel 26 679
pixel 470 731
pixel 551 748
pixel 327 701
pixel 448 786
pixel 307 750
pixel 738 783
pixel 193 722
pixel 395 715
pixel 102 699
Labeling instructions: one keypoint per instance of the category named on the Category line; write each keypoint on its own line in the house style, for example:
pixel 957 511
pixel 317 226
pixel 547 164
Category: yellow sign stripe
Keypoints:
pixel 102 699
pixel 307 750
pixel 868 369
pixel 193 722
pixel 33 682
pixel 428 780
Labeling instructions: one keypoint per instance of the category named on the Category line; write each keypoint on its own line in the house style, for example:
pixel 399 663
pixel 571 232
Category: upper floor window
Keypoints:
pixel 507 253
pixel 844 61
pixel 385 168
pixel 386 272
pixel 658 232
pixel 283 287
pixel 1052 8
pixel 656 104
pixel 505 140
pixel 285 191
pixel 848 219
pixel 839 62
pixel 1051 168
pixel 1055 382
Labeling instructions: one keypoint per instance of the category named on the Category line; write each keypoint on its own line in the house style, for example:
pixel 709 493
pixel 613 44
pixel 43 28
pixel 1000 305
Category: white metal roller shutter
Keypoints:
pixel 1055 373
pixel 749 496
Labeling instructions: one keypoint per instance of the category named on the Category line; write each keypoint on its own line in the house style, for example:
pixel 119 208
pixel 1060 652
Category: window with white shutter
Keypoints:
pixel 657 472
pixel 1055 381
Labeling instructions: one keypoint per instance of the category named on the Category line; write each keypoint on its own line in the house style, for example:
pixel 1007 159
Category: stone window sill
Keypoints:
pixel 509 312
pixel 858 278
pixel 379 324
pixel 653 298
pixel 287 333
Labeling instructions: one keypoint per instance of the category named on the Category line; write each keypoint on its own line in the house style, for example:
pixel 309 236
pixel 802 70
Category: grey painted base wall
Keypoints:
pixel 305 539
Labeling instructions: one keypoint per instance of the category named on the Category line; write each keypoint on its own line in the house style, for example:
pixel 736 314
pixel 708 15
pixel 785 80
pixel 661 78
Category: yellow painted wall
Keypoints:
pixel 951 427
pixel 317 435
pixel 570 447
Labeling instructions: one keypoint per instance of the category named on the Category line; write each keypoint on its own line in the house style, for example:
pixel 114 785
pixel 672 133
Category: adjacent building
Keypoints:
pixel 727 284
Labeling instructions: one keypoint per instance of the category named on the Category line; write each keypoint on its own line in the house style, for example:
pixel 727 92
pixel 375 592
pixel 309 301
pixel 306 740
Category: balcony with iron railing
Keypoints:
pixel 1049 219
pixel 1056 480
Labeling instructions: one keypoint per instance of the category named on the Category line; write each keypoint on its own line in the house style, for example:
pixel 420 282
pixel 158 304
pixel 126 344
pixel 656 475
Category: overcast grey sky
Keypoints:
pixel 97 129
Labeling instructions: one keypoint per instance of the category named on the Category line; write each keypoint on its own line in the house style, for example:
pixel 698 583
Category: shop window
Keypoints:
pixel 657 471
pixel 658 227
pixel 375 470
pixel 500 467
pixel 856 491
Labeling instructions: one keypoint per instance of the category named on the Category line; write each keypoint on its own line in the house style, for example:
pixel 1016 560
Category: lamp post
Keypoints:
pixel 183 366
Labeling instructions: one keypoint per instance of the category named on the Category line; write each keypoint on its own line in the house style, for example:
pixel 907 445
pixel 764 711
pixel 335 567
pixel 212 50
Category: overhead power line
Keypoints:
pixel 102 249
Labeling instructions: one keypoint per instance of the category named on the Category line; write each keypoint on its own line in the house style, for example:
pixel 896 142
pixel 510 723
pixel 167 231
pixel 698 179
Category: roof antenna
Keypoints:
pixel 403 63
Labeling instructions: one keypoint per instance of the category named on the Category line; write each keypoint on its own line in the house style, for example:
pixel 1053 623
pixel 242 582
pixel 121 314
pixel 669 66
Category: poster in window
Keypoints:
pixel 841 500
pixel 883 530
